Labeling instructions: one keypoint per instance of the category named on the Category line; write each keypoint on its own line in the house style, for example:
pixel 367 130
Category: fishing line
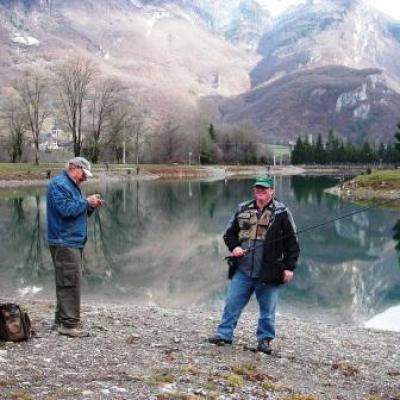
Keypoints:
pixel 322 224
pixel 343 216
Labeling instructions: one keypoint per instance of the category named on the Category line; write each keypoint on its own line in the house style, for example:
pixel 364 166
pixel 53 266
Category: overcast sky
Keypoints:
pixel 389 7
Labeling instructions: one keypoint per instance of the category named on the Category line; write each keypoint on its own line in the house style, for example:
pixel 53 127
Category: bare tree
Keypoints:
pixel 118 132
pixel 170 141
pixel 73 80
pixel 138 126
pixel 32 90
pixel 14 122
pixel 103 103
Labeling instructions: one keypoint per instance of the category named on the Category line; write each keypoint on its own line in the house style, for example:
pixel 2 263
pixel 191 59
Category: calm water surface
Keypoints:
pixel 160 243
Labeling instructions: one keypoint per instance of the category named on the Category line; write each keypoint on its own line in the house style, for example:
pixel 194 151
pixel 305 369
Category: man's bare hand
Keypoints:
pixel 287 276
pixel 238 252
pixel 95 200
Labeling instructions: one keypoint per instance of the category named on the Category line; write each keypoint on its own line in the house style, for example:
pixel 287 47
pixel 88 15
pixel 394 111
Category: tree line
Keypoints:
pixel 108 121
pixel 338 150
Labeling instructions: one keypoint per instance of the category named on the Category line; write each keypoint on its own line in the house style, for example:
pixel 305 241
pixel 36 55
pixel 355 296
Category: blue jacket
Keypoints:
pixel 67 212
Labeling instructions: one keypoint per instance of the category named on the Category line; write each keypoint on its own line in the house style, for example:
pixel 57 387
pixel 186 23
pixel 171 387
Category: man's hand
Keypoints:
pixel 238 252
pixel 95 201
pixel 287 276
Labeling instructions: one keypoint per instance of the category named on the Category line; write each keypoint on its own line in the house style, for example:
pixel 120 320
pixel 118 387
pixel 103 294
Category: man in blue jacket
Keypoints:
pixel 67 212
pixel 262 238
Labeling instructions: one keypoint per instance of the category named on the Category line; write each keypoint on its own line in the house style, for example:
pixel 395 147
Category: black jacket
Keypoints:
pixel 281 248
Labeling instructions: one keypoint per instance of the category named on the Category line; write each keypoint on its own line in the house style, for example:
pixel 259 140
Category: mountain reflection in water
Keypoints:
pixel 160 243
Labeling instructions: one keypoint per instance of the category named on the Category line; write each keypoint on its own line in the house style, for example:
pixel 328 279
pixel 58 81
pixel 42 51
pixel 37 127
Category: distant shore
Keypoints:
pixel 29 175
pixel 155 353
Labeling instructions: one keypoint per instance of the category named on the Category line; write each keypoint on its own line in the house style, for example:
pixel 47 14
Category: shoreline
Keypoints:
pixel 165 173
pixel 353 192
pixel 149 352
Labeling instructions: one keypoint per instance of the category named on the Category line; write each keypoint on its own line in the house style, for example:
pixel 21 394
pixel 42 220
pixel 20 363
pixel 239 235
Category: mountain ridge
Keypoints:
pixel 232 55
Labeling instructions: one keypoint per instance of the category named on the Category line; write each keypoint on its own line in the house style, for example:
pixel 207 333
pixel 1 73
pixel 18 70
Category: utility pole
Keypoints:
pixel 123 151
pixel 199 147
pixel 137 149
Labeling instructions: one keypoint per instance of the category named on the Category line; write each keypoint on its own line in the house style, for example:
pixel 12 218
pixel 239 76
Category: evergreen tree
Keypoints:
pixel 397 144
pixel 381 152
pixel 298 152
pixel 332 147
pixel 211 133
pixel 319 151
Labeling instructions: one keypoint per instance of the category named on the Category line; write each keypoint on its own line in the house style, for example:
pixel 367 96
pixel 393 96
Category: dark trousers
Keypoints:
pixel 67 263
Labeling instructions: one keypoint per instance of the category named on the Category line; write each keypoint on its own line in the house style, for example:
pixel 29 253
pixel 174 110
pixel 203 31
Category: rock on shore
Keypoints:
pixel 153 353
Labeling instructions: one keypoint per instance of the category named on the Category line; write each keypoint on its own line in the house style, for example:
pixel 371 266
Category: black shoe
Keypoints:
pixel 264 346
pixel 218 340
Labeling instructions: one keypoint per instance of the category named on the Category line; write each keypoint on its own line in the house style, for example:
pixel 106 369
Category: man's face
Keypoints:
pixel 262 194
pixel 77 174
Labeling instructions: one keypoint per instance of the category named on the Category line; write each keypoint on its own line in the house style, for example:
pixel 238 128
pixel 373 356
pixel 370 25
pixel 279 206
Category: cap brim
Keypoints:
pixel 87 173
pixel 264 185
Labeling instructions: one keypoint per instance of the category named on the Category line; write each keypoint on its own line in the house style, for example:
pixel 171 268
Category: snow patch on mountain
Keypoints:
pixel 278 7
pixel 26 40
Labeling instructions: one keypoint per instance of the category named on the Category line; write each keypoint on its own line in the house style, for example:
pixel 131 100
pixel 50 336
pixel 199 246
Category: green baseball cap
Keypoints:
pixel 264 182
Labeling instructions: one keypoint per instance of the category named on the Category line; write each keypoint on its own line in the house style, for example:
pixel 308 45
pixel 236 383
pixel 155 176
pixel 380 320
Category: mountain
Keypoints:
pixel 325 65
pixel 170 56
pixel 289 67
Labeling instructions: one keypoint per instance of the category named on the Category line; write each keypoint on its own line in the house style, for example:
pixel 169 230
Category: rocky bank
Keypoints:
pixel 160 354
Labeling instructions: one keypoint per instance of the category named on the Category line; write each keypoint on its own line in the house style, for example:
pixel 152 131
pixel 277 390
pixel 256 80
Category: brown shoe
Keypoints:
pixel 72 332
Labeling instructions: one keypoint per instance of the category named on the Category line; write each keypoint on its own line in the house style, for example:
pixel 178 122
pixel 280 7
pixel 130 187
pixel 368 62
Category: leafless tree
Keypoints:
pixel 14 123
pixel 138 127
pixel 73 81
pixel 171 142
pixel 103 104
pixel 32 91
pixel 117 134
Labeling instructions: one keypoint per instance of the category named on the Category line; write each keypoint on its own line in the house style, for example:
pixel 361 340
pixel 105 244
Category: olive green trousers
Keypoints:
pixel 67 263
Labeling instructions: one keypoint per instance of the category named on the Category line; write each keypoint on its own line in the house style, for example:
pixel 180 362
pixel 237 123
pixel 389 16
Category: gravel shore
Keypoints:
pixel 153 353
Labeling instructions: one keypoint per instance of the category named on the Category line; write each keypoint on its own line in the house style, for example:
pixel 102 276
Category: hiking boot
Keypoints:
pixel 264 346
pixel 72 332
pixel 218 340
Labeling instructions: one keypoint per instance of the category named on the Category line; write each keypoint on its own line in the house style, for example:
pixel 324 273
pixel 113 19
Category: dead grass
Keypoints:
pixel 346 368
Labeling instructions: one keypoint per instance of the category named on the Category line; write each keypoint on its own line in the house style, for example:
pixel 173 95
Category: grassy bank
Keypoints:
pixel 30 172
pixel 381 187
pixel 389 179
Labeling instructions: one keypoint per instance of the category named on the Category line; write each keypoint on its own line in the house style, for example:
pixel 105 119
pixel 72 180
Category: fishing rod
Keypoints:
pixel 315 226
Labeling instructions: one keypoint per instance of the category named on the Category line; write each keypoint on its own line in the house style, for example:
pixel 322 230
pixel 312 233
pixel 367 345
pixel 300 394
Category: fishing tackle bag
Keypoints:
pixel 15 325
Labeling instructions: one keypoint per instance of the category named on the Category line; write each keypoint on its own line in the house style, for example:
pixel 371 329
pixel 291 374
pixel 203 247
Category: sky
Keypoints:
pixel 389 7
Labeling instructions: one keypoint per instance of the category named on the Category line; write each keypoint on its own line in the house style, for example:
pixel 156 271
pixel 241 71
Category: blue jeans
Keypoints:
pixel 238 295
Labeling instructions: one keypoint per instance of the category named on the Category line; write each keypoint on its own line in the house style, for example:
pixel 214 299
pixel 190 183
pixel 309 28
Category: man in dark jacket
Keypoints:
pixel 67 212
pixel 262 238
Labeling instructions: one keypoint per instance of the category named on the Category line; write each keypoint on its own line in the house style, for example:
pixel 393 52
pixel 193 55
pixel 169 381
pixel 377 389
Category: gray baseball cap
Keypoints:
pixel 83 163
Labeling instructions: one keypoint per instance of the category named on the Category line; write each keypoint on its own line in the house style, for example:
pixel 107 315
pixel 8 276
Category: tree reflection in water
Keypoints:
pixel 161 242
pixel 396 236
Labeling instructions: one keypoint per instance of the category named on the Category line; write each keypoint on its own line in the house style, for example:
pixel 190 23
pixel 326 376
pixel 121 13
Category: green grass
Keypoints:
pixel 21 171
pixel 387 179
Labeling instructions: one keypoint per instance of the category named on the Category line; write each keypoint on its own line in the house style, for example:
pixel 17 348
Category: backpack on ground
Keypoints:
pixel 15 324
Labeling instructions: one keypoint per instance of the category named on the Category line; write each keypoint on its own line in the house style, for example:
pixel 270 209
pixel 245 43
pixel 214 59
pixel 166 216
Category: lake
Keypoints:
pixel 160 243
